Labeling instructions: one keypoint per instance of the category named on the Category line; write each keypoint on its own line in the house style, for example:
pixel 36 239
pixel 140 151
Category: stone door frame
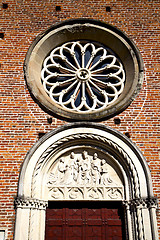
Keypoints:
pixel 138 200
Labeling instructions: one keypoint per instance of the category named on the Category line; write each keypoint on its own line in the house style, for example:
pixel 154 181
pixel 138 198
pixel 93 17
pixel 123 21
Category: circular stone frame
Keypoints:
pixel 91 30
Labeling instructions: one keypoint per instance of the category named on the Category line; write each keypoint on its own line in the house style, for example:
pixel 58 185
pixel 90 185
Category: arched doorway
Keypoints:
pixel 85 162
pixel 96 220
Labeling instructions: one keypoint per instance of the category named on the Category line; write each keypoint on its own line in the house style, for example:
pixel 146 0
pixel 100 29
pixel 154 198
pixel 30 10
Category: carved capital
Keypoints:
pixel 30 203
pixel 141 203
pixel 152 202
pixel 126 204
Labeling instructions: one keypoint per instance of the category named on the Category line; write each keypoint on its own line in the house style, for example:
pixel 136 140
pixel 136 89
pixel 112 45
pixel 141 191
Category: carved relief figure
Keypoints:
pixel 61 170
pixel 96 162
pixel 68 176
pixel 76 170
pixel 75 193
pixel 85 168
pixel 114 193
pixel 82 169
pixel 105 178
pixel 95 175
pixel 57 193
pixel 95 193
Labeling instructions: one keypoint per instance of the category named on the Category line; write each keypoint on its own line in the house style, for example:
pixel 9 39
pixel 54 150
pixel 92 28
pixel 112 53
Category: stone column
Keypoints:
pixel 152 206
pixel 128 220
pixel 30 219
pixel 144 209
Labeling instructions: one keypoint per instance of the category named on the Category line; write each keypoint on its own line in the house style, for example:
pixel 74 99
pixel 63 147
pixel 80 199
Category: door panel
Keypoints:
pixel 84 221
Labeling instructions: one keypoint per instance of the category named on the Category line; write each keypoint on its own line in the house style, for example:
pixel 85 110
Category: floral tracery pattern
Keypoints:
pixel 82 76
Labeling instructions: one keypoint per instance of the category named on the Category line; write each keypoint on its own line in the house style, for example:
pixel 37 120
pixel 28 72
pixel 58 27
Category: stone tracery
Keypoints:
pixel 83 76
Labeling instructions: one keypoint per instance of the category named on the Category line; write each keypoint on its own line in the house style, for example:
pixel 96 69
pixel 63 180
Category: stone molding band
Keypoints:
pixel 30 203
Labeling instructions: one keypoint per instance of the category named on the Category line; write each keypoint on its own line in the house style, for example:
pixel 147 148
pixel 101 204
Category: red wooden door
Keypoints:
pixel 84 221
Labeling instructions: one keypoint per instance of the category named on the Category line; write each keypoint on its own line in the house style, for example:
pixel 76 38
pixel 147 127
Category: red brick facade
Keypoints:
pixel 22 120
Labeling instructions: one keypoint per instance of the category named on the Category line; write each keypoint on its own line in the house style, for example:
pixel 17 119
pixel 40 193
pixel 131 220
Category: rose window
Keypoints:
pixel 83 76
pixel 83 70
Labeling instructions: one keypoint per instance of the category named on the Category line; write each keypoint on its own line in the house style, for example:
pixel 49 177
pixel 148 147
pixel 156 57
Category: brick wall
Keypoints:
pixel 21 120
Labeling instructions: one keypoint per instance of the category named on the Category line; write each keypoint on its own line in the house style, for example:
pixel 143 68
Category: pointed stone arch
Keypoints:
pixel 130 179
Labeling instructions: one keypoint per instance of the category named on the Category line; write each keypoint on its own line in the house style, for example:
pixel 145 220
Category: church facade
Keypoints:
pixel 80 120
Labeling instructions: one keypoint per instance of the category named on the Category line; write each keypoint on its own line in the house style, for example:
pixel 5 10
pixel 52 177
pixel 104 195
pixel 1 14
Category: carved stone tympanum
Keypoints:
pixel 82 176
